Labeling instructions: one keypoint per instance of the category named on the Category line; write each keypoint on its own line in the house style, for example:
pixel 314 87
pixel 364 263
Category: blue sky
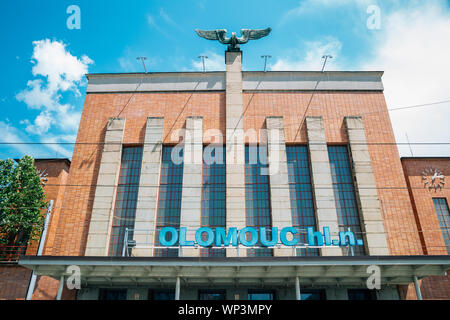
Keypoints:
pixel 43 62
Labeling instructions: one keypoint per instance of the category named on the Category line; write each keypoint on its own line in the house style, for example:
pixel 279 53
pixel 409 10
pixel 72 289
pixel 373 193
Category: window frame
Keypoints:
pixel 205 218
pixel 169 184
pixel 443 215
pixel 300 180
pixel 126 197
pixel 252 183
pixel 343 183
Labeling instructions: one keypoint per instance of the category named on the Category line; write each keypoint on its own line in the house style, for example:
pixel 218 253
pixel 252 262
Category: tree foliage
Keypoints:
pixel 22 199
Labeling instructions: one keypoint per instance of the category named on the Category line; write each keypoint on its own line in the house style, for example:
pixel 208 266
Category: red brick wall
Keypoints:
pixel 333 107
pixel 70 234
pixel 426 217
pixel 13 282
pixel 57 174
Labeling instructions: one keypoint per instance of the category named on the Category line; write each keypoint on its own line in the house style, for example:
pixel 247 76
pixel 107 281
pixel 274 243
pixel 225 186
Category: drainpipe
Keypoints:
pixel 32 283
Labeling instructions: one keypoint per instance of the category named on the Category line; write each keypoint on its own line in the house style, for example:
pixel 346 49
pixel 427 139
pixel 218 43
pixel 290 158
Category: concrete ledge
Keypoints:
pixel 251 80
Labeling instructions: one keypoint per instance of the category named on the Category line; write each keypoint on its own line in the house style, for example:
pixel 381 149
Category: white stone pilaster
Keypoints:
pixel 366 189
pixel 147 201
pixel 321 180
pixel 105 192
pixel 191 199
pixel 235 148
pixel 280 199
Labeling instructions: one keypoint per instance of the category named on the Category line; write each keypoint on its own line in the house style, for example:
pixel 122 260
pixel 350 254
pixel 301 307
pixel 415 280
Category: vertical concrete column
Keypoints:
pixel 105 193
pixel 280 199
pixel 61 288
pixel 326 214
pixel 191 198
pixel 417 288
pixel 235 147
pixel 177 288
pixel 147 201
pixel 366 189
pixel 298 295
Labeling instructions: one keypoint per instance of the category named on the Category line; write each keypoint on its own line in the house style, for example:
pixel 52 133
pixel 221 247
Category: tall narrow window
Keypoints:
pixel 302 203
pixel 213 197
pixel 441 206
pixel 126 198
pixel 257 195
pixel 344 195
pixel 169 203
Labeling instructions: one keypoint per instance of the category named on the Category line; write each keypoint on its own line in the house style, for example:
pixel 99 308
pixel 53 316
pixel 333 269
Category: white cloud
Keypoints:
pixel 151 21
pixel 53 143
pixel 315 7
pixel 214 62
pixel 16 140
pixel 58 71
pixel 41 124
pixel 168 19
pixel 413 50
pixel 311 60
pixel 36 96
pixel 68 118
pixel 62 70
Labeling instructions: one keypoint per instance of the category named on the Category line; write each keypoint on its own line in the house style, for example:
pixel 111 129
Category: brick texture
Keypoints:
pixel 14 279
pixel 13 282
pixel 426 218
pixel 69 234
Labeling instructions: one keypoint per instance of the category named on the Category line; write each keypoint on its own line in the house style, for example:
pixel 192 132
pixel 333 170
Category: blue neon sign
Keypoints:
pixel 205 237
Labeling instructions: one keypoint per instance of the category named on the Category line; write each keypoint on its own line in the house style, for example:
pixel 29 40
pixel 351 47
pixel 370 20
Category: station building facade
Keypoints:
pixel 307 151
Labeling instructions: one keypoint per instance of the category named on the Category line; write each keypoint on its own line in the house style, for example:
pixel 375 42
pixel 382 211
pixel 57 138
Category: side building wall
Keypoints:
pixel 14 279
pixel 426 217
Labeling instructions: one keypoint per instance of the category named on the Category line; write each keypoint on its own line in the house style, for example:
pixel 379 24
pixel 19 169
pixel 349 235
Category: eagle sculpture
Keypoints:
pixel 233 42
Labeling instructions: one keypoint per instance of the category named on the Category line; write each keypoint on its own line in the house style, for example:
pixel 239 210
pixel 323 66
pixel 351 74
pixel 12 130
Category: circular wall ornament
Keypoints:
pixel 433 178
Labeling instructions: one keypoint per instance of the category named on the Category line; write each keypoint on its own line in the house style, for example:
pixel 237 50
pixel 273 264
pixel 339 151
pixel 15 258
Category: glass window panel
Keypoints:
pixel 313 294
pixel 441 207
pixel 126 198
pixel 302 203
pixel 344 193
pixel 213 197
pixel 361 294
pixel 261 294
pixel 112 294
pixel 212 294
pixel 258 211
pixel 161 294
pixel 169 202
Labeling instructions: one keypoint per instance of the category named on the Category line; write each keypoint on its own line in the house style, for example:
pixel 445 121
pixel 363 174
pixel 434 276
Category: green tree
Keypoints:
pixel 22 199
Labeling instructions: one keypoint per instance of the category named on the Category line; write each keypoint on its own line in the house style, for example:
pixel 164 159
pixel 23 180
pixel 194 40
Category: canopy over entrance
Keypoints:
pixel 141 271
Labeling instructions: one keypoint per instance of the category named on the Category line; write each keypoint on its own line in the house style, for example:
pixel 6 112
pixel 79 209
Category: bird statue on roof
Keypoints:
pixel 233 42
